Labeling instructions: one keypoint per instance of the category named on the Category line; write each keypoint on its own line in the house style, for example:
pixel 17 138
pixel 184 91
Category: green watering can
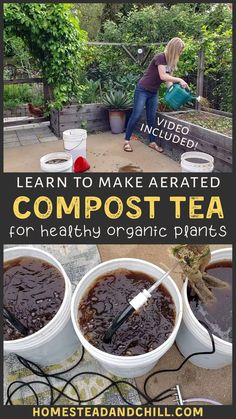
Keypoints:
pixel 176 96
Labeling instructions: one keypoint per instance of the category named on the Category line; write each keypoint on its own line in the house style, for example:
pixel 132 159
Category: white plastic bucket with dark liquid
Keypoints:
pixel 193 337
pixel 57 339
pixel 126 366
pixel 196 161
pixel 59 162
pixel 75 142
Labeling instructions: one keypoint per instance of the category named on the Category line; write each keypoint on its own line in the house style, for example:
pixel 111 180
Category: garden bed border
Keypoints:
pixel 92 116
pixel 211 142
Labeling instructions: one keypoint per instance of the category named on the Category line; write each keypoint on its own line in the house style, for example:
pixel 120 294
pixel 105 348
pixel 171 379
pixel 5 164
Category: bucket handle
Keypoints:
pixel 73 148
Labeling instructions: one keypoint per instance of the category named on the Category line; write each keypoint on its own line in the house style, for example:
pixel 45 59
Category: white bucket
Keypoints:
pixel 61 167
pixel 55 341
pixel 206 166
pixel 126 366
pixel 193 337
pixel 75 142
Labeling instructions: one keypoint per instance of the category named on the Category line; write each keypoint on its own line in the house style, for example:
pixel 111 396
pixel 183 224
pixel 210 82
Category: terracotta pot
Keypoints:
pixel 117 121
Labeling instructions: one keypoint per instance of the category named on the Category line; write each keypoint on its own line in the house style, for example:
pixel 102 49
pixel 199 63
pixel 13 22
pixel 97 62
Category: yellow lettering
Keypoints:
pixel 48 202
pixel 177 200
pixel 92 203
pixel 138 211
pixel 109 201
pixel 16 207
pixel 62 206
pixel 36 411
pixel 197 411
pixel 138 412
pixel 179 411
pixel 152 200
pixel 215 207
pixel 193 206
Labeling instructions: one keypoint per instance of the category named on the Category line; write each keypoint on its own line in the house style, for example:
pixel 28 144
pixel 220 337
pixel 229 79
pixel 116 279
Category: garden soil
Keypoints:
pixel 217 123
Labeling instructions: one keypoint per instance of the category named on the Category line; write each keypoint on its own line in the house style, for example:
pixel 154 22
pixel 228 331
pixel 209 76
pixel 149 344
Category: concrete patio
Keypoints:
pixel 24 147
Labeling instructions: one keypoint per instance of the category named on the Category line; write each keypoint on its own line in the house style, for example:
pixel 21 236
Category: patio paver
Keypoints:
pixel 11 139
pixel 29 140
pixel 12 144
pixel 47 139
pixel 29 136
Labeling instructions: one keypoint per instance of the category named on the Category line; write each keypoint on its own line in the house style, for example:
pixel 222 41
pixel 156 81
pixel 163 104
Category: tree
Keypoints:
pixel 54 38
pixel 90 16
pixel 198 24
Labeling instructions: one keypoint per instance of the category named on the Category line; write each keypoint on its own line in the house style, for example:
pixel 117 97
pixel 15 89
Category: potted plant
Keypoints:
pixel 117 102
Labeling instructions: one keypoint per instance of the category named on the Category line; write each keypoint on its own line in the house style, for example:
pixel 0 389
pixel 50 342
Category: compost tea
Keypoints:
pixel 218 314
pixel 197 160
pixel 56 161
pixel 144 331
pixel 33 291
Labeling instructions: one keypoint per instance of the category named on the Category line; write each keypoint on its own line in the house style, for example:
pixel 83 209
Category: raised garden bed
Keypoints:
pixel 217 123
pixel 217 144
pixel 93 117
pixel 216 141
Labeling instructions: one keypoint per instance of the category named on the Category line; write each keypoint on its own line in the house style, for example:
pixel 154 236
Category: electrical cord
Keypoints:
pixel 37 370
pixel 33 367
pixel 56 393
pixel 185 360
pixel 198 399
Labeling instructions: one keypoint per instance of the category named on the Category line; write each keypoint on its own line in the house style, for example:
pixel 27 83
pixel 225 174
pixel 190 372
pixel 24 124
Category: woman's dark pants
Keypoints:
pixel 142 98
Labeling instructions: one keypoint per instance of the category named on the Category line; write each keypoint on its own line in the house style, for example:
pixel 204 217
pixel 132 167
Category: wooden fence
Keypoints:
pixel 46 92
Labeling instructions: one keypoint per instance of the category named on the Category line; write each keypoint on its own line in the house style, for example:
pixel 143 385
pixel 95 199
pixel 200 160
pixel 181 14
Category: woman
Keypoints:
pixel 159 70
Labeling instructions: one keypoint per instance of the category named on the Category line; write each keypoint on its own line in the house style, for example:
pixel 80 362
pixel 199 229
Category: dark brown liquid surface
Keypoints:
pixel 33 291
pixel 143 331
pixel 217 315
pixel 196 160
pixel 130 168
pixel 55 161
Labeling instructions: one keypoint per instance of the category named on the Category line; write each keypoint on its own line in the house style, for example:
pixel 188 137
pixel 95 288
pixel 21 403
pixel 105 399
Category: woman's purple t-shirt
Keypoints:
pixel 151 80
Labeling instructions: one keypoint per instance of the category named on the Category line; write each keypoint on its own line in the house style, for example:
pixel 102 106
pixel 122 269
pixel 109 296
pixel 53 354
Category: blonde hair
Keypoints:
pixel 172 52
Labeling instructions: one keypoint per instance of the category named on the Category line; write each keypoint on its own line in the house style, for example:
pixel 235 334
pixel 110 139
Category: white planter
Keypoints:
pixel 56 340
pixel 193 337
pixel 126 366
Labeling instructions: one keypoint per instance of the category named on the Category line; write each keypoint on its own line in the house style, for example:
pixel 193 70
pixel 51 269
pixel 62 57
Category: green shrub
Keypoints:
pixel 89 92
pixel 200 25
pixel 54 38
pixel 117 99
pixel 51 35
pixel 19 94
